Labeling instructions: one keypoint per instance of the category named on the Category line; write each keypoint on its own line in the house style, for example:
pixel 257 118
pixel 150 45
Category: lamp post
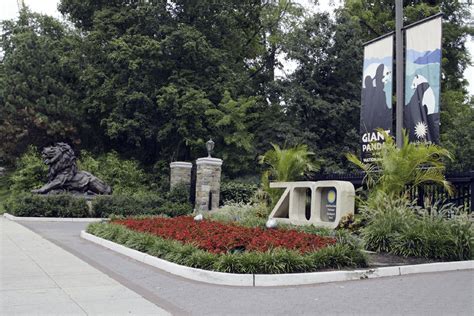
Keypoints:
pixel 209 146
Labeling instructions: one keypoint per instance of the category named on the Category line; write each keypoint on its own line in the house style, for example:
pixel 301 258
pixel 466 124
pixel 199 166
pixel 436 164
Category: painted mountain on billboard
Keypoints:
pixel 429 57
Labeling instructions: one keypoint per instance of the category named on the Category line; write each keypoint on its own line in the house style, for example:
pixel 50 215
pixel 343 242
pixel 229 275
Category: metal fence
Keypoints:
pixel 462 182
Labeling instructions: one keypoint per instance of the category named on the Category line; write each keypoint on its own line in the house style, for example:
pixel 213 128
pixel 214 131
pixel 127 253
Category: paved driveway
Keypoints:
pixel 448 293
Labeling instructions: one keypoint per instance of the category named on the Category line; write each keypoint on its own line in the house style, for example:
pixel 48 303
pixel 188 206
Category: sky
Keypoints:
pixel 9 10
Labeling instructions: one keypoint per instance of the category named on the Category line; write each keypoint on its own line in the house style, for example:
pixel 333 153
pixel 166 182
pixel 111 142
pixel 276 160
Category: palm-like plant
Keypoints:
pixel 412 164
pixel 285 165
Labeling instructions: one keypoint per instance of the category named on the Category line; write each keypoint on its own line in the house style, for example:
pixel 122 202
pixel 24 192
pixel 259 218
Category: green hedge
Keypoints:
pixel 32 205
pixel 122 205
pixel 65 205
pixel 237 192
pixel 270 262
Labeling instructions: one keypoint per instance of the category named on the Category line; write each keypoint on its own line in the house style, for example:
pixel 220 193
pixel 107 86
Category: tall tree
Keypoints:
pixel 40 94
pixel 161 76
pixel 322 96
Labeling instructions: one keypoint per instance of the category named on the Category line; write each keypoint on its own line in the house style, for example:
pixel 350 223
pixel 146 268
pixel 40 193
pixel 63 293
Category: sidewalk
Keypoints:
pixel 39 278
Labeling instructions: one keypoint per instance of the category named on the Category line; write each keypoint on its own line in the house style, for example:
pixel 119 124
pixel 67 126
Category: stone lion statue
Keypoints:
pixel 63 175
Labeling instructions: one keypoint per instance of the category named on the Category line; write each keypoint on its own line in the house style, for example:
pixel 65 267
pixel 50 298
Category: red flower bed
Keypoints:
pixel 217 237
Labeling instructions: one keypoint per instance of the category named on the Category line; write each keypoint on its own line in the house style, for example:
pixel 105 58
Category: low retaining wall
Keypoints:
pixel 291 279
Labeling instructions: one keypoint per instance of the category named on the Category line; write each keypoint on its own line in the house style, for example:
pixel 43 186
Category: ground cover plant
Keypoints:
pixel 218 237
pixel 225 251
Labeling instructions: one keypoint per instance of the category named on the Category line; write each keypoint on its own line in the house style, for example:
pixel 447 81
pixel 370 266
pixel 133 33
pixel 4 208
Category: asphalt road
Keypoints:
pixel 447 293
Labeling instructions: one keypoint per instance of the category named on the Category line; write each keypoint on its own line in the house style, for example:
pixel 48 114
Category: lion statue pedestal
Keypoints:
pixel 63 176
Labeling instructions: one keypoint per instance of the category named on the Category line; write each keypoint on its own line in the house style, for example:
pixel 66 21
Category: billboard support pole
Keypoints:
pixel 399 71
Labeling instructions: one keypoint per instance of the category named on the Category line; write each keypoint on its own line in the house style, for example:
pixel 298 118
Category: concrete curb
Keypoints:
pixel 53 219
pixel 290 279
pixel 173 268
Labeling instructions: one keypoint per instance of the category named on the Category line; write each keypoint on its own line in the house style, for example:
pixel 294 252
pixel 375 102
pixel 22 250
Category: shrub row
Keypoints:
pixel 47 206
pixel 104 206
pixel 273 261
pixel 66 205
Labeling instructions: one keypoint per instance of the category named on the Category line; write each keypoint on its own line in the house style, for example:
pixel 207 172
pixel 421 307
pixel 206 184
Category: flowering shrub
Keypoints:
pixel 218 237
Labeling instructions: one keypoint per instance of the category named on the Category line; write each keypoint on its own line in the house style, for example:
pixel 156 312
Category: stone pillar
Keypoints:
pixel 180 173
pixel 208 183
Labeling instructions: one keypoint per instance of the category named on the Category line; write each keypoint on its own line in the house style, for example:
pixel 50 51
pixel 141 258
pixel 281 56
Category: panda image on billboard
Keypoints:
pixel 420 114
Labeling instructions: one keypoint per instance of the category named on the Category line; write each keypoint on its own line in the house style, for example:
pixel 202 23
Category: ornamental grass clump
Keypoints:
pixel 403 229
pixel 393 223
pixel 245 214
pixel 385 223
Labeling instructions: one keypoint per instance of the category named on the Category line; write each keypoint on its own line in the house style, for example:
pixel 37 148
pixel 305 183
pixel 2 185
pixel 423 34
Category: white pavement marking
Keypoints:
pixel 40 278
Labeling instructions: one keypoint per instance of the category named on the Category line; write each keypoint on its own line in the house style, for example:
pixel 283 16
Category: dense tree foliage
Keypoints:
pixel 153 80
pixel 40 90
pixel 322 96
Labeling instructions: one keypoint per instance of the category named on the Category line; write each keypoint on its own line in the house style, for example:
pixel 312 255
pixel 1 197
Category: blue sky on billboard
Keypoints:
pixel 9 10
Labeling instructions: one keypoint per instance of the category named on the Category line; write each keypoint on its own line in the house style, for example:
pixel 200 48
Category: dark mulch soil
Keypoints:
pixel 385 260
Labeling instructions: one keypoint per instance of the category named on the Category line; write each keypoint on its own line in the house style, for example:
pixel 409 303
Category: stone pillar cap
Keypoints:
pixel 181 164
pixel 209 161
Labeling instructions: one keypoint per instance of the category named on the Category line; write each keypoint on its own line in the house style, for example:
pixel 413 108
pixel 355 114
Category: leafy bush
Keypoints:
pixel 31 172
pixel 352 223
pixel 32 205
pixel 124 176
pixel 395 168
pixel 273 261
pixel 285 165
pixel 179 194
pixel 237 192
pixel 148 204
